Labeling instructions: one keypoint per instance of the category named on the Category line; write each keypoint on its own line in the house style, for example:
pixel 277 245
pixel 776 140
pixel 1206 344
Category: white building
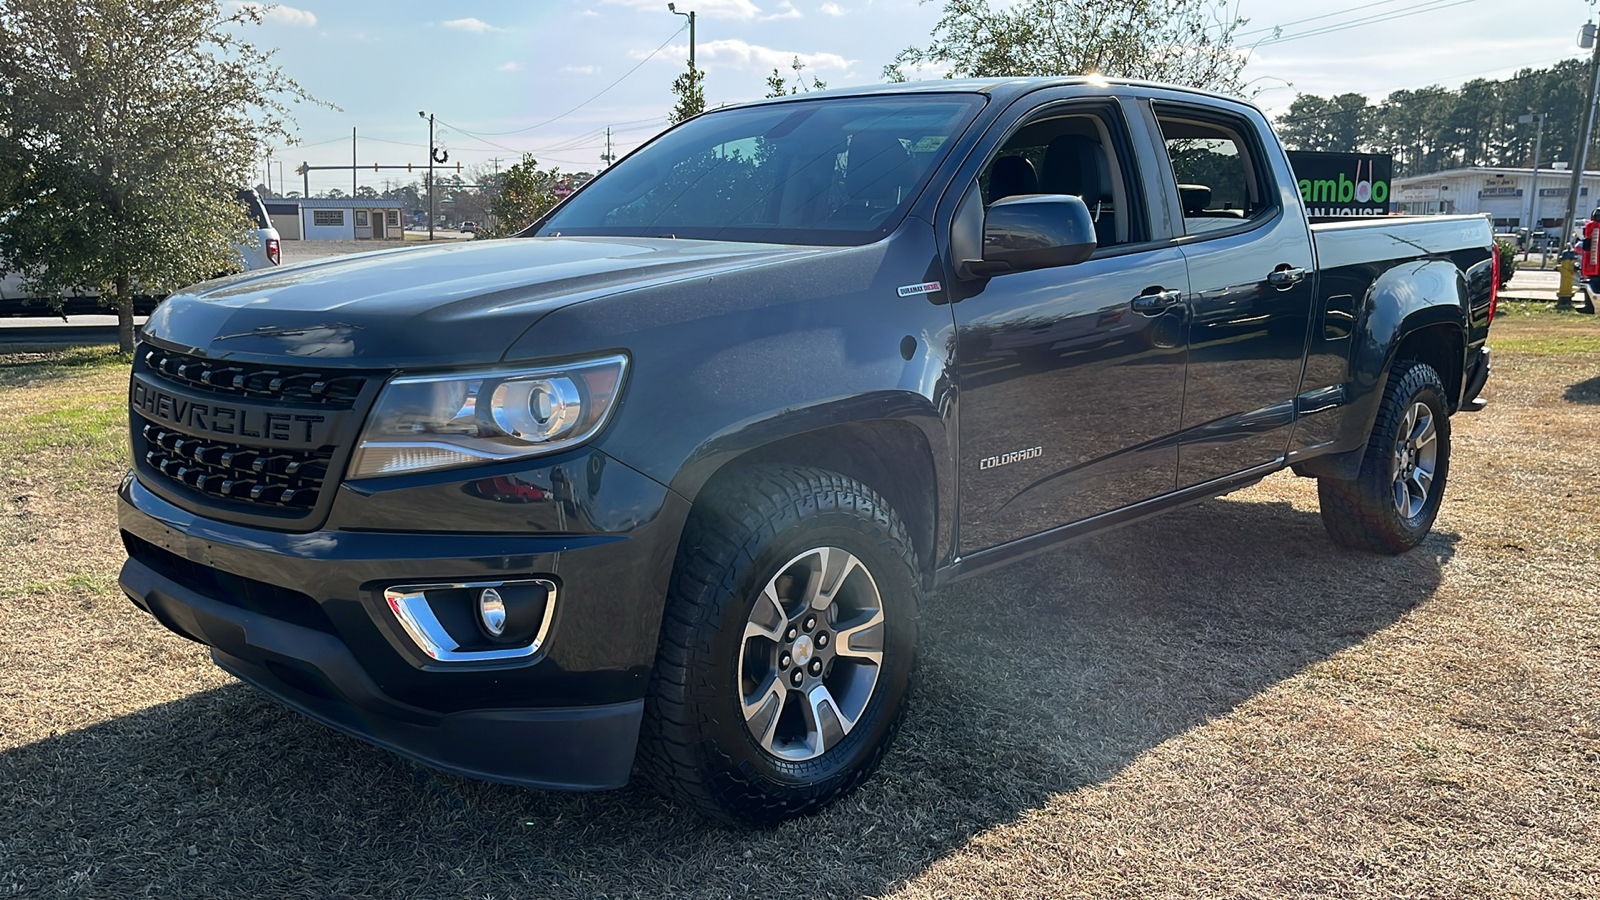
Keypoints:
pixel 337 219
pixel 1507 196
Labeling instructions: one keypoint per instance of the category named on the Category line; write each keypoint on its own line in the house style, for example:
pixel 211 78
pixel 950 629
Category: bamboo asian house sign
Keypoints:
pixel 1343 184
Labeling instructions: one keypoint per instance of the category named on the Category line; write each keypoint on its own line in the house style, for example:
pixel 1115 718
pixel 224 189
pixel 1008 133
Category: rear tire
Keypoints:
pixel 1391 505
pixel 787 649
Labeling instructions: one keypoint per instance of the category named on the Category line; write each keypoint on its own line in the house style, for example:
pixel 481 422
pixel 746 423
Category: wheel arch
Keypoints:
pixel 1415 310
pixel 900 453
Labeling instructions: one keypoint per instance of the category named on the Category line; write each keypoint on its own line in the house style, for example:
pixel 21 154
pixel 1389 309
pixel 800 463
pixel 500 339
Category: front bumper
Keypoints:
pixel 302 617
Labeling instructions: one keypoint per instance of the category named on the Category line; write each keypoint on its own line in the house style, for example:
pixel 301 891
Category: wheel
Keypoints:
pixel 1390 506
pixel 787 648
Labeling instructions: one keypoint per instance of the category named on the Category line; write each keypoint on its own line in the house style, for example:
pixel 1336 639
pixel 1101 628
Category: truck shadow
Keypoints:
pixel 1038 681
pixel 1586 391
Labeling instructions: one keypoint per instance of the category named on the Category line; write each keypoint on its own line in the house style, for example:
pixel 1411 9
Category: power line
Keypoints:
pixel 1314 18
pixel 1510 79
pixel 1418 9
pixel 596 96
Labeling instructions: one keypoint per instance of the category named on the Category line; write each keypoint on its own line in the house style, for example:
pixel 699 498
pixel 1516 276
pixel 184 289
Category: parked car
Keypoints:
pixel 265 249
pixel 660 486
pixel 260 249
pixel 468 226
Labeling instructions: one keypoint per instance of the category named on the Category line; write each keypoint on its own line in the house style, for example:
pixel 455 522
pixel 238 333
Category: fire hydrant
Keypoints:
pixel 1569 270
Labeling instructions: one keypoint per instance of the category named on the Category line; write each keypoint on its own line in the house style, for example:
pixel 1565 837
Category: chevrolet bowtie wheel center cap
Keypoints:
pixel 802 650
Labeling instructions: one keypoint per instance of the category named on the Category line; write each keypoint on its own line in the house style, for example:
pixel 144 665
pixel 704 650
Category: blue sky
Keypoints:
pixel 548 76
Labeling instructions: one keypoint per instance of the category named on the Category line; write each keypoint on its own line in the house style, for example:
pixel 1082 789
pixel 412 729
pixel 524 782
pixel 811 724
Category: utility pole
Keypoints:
pixel 1533 199
pixel 673 8
pixel 433 156
pixel 1580 159
pixel 352 162
pixel 608 156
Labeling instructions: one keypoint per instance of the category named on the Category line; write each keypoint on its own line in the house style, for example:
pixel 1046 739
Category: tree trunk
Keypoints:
pixel 124 304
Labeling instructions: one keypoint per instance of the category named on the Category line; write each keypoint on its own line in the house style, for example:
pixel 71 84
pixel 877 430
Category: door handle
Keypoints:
pixel 1156 300
pixel 1286 276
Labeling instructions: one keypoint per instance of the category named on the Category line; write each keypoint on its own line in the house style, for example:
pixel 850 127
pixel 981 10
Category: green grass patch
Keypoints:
pixel 93 428
pixel 1546 344
pixel 23 365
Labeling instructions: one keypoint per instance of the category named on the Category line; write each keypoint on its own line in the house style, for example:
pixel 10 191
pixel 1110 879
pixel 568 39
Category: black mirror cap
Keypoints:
pixel 1034 231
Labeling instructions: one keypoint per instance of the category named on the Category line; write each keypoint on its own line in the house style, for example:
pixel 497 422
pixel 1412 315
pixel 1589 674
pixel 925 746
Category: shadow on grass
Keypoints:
pixel 1037 681
pixel 21 365
pixel 1586 391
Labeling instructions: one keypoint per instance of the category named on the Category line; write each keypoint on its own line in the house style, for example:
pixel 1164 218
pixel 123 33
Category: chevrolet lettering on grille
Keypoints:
pixel 268 426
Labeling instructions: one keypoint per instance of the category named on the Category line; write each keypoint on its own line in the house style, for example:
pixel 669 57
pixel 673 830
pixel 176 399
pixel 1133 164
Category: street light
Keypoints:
pixel 1586 39
pixel 673 8
pixel 1533 199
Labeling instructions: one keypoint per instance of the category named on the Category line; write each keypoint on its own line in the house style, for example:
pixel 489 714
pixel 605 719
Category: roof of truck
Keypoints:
pixel 1001 88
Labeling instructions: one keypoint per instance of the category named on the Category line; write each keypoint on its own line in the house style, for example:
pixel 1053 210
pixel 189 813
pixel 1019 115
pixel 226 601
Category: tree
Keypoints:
pixel 126 127
pixel 690 89
pixel 1187 42
pixel 1339 124
pixel 777 87
pixel 524 193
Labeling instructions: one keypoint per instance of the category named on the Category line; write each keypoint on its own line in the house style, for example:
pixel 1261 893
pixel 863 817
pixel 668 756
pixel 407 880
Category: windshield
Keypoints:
pixel 829 171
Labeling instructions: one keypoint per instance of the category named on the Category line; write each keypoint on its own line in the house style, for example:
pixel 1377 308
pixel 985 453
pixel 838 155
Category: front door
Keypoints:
pixel 377 224
pixel 1071 378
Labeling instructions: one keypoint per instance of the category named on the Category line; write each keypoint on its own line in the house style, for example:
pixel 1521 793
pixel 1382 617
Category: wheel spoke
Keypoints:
pixel 1423 479
pixel 824 722
pixel 762 715
pixel 863 641
pixel 1424 433
pixel 768 618
pixel 833 567
pixel 1402 497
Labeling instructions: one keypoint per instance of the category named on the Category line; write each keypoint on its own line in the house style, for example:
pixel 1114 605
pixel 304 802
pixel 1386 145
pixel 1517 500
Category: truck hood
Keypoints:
pixel 440 305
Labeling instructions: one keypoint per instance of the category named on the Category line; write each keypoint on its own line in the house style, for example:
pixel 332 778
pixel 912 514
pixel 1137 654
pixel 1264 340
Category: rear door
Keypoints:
pixel 1070 378
pixel 1251 288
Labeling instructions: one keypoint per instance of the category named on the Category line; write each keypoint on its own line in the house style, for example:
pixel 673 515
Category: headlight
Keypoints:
pixel 423 422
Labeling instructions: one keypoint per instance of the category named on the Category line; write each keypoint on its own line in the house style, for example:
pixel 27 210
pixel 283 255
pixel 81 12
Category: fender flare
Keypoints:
pixel 1404 300
pixel 773 437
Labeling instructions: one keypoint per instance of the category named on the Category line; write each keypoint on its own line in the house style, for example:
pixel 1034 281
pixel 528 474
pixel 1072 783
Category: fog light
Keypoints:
pixel 492 612
pixel 475 621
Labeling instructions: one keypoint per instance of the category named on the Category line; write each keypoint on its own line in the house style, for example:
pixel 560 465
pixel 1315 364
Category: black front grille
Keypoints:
pixel 335 389
pixel 235 590
pixel 290 479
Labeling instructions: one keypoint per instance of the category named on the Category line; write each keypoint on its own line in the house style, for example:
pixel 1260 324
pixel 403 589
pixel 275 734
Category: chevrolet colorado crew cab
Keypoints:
pixel 657 485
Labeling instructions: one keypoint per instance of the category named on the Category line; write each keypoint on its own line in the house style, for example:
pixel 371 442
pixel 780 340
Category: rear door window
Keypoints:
pixel 254 208
pixel 1220 178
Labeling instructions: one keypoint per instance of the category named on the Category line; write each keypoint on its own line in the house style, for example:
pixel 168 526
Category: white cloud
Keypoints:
pixel 509 66
pixel 785 11
pixel 737 54
pixel 476 26
pixel 581 70
pixel 831 9
pixel 742 10
pixel 281 15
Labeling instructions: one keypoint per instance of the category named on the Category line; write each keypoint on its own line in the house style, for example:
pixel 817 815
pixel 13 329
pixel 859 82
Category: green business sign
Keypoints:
pixel 1343 184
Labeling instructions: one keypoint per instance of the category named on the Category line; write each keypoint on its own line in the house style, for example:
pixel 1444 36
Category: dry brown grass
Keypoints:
pixel 1215 703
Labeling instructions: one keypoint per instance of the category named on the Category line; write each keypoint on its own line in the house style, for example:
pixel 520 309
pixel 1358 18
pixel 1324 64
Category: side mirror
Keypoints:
pixel 1034 231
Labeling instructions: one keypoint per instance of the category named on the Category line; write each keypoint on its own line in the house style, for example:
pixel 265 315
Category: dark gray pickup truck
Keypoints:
pixel 657 486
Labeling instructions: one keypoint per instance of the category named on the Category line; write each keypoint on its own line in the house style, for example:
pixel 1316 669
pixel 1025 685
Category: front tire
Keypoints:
pixel 787 648
pixel 1391 505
